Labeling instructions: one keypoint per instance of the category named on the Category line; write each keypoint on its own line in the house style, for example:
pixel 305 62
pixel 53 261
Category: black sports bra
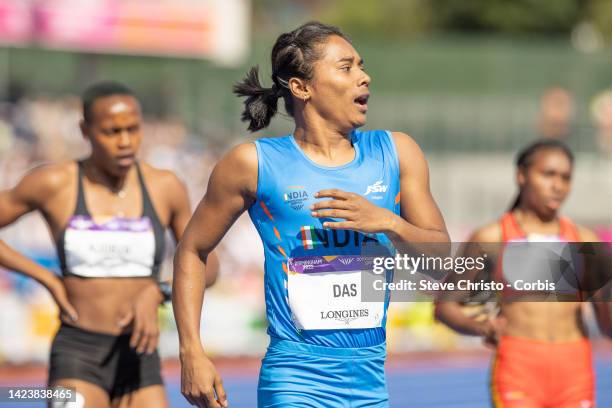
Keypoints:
pixel 119 247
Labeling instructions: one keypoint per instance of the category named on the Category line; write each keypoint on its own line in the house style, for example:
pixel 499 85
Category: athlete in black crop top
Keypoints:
pixel 107 215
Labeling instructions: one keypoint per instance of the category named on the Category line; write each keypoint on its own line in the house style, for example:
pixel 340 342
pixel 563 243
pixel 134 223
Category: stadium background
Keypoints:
pixel 466 79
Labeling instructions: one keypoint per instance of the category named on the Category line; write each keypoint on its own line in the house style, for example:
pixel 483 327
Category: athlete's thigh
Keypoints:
pixel 300 380
pixel 580 395
pixel 586 403
pixel 153 396
pixel 88 395
pixel 515 394
pixel 523 403
pixel 574 382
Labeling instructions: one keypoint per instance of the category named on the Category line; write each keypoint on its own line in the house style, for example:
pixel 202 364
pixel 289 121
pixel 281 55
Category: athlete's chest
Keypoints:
pixel 104 205
pixel 291 194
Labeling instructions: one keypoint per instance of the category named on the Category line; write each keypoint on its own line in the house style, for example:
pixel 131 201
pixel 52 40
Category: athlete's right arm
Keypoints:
pixel 598 274
pixel 449 309
pixel 231 190
pixel 29 195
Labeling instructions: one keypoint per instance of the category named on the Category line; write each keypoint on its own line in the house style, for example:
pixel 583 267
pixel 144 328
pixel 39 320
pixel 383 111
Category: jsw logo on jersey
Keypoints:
pixel 377 187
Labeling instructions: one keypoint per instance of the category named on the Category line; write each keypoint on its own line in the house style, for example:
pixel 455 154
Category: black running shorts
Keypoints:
pixel 104 360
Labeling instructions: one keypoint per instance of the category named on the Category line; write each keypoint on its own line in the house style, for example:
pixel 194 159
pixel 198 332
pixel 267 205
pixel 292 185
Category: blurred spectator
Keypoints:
pixel 556 113
pixel 601 112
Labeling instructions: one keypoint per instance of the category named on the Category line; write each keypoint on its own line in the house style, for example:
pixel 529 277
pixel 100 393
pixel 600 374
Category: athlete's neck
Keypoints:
pixel 534 221
pixel 97 174
pixel 325 144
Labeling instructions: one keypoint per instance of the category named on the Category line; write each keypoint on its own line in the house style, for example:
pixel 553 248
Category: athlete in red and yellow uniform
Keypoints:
pixel 543 355
pixel 532 372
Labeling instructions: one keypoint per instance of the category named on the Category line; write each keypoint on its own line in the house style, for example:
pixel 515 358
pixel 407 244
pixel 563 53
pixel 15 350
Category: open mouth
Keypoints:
pixel 126 160
pixel 362 102
pixel 555 202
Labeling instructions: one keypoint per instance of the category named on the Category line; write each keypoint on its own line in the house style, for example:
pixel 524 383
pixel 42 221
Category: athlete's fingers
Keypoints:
pixel 210 400
pixel 197 400
pixel 126 319
pixel 190 400
pixel 337 204
pixel 58 291
pixel 200 398
pixel 220 391
pixel 148 340
pixel 333 193
pixel 489 343
pixel 350 225
pixel 136 333
pixel 186 391
pixel 147 337
pixel 332 214
pixel 201 401
pixel 153 339
pixel 143 343
pixel 68 310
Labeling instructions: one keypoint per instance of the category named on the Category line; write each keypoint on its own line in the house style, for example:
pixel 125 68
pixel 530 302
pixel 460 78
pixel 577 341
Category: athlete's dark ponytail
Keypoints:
pixel 293 55
pixel 260 104
pixel 525 157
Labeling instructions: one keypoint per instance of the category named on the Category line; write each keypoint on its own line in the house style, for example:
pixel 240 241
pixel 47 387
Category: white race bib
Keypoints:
pixel 118 248
pixel 325 293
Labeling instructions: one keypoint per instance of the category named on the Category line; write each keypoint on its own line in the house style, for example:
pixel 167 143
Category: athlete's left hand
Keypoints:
pixel 143 315
pixel 359 213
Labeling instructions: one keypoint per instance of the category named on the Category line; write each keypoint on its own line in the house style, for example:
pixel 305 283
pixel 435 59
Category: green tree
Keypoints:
pixel 513 16
pixel 600 13
pixel 373 18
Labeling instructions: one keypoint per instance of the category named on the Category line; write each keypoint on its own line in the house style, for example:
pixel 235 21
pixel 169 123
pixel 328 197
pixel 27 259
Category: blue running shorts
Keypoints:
pixel 302 375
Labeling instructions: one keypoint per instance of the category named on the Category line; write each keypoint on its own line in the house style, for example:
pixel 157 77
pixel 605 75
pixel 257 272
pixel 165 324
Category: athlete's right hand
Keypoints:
pixel 492 330
pixel 201 384
pixel 57 289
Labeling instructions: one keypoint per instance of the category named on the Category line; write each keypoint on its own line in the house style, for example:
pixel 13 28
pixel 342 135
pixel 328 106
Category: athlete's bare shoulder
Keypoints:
pixel 165 186
pixel 160 178
pixel 44 182
pixel 410 156
pixel 405 142
pixel 587 234
pixel 489 233
pixel 243 155
pixel 239 168
pixel 51 176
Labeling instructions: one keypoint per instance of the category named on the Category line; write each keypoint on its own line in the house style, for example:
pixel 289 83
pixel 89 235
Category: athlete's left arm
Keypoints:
pixel 599 286
pixel 180 215
pixel 420 219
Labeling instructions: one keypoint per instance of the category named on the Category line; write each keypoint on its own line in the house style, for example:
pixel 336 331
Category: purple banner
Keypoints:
pixel 321 264
pixel 86 223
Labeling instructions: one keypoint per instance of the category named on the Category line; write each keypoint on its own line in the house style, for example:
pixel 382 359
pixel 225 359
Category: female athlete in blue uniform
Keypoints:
pixel 320 198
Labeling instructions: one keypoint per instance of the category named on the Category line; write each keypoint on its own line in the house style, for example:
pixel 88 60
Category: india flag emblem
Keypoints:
pixel 308 237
